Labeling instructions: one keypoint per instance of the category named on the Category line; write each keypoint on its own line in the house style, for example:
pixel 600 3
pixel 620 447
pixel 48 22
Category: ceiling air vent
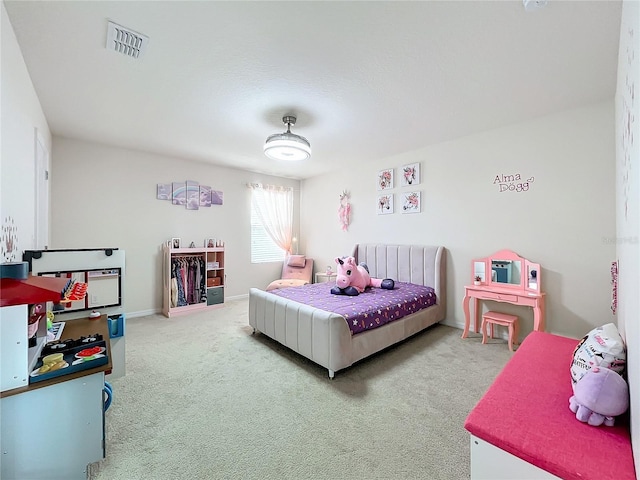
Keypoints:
pixel 125 41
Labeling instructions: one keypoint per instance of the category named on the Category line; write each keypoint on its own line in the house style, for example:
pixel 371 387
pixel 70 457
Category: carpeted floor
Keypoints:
pixel 205 399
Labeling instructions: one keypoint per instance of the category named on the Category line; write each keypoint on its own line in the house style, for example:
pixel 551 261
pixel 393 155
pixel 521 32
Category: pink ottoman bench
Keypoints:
pixel 522 427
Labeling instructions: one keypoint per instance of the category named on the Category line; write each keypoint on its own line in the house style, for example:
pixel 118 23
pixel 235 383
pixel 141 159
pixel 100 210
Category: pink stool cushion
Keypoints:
pixel 526 412
pixel 499 317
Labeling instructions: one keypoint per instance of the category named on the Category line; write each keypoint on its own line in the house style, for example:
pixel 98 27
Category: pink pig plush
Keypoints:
pixel 352 279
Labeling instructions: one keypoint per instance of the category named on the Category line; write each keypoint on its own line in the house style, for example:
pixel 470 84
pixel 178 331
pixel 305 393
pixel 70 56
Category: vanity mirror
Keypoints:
pixel 506 269
pixel 532 277
pixel 479 271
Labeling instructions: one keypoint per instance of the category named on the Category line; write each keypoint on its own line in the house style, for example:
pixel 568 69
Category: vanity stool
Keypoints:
pixel 497 318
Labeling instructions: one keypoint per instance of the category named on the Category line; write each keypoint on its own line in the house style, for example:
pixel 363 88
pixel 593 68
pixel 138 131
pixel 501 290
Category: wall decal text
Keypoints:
pixel 512 182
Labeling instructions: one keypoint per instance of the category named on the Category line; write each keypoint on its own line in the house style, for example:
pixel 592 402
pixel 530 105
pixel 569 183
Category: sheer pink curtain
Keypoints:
pixel 274 206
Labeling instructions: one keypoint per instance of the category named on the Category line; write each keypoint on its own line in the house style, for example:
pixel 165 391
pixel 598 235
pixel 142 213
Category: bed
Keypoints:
pixel 325 337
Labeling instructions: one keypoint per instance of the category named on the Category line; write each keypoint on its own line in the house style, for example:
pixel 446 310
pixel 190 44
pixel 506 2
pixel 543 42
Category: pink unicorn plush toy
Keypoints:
pixel 352 279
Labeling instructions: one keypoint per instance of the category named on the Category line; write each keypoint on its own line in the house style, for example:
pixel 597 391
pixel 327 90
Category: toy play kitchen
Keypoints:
pixel 53 388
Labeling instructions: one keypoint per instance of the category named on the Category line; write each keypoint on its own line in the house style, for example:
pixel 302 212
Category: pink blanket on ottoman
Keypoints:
pixel 526 412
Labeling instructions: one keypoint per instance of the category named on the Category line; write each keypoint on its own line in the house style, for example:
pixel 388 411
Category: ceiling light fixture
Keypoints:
pixel 531 5
pixel 287 145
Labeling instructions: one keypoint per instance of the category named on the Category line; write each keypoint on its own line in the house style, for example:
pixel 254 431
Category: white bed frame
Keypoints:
pixel 325 338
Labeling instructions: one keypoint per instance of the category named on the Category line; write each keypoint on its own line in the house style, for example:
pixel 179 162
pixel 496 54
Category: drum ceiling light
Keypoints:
pixel 287 145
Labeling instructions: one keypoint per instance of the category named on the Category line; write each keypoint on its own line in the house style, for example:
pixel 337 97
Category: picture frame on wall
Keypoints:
pixel 193 195
pixel 385 179
pixel 411 202
pixel 163 191
pixel 217 197
pixel 385 204
pixel 179 193
pixel 205 196
pixel 176 242
pixel 209 242
pixel 410 175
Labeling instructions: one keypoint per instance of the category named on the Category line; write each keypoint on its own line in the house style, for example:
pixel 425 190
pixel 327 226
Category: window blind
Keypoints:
pixel 263 248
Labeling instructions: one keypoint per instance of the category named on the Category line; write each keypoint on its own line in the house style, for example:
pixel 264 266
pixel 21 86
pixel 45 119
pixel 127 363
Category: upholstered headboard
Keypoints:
pixel 424 265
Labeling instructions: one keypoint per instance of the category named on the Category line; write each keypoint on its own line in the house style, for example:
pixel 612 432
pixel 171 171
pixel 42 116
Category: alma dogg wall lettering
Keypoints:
pixel 512 183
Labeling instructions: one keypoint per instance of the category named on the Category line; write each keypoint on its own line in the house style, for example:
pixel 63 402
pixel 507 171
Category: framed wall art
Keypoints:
pixel 411 202
pixel 385 204
pixel 179 193
pixel 189 194
pixel 205 196
pixel 175 243
pixel 163 191
pixel 193 195
pixel 216 197
pixel 385 179
pixel 410 175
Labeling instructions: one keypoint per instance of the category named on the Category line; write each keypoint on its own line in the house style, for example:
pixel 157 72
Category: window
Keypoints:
pixel 271 222
pixel 263 248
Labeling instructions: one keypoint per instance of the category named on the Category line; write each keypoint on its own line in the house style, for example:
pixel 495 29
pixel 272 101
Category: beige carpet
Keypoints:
pixel 205 399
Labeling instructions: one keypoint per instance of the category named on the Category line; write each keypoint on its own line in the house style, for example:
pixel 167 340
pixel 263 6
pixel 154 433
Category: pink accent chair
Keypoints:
pixel 296 270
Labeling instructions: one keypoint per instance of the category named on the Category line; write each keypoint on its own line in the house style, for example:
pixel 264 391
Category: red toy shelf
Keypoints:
pixel 34 289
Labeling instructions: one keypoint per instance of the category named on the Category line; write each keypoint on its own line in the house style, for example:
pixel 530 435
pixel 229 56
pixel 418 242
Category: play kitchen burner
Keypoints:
pixel 71 355
pixel 63 346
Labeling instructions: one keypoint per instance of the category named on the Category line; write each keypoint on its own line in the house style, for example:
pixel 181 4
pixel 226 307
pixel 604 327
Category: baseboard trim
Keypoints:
pixel 238 297
pixel 453 323
pixel 142 313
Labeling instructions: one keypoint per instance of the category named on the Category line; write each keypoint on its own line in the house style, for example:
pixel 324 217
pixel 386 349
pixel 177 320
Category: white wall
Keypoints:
pixel 628 203
pixel 21 115
pixel 106 197
pixel 565 221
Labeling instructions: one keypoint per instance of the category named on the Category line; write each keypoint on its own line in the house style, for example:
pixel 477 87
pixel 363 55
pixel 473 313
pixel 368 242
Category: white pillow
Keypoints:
pixel 603 346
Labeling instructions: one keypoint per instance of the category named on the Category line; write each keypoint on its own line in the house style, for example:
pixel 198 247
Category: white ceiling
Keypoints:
pixel 367 79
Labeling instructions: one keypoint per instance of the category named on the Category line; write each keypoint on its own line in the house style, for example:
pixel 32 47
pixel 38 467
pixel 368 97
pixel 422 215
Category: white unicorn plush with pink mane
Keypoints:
pixel 352 279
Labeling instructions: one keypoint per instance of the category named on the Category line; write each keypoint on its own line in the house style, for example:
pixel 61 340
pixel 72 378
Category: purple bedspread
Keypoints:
pixel 372 308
